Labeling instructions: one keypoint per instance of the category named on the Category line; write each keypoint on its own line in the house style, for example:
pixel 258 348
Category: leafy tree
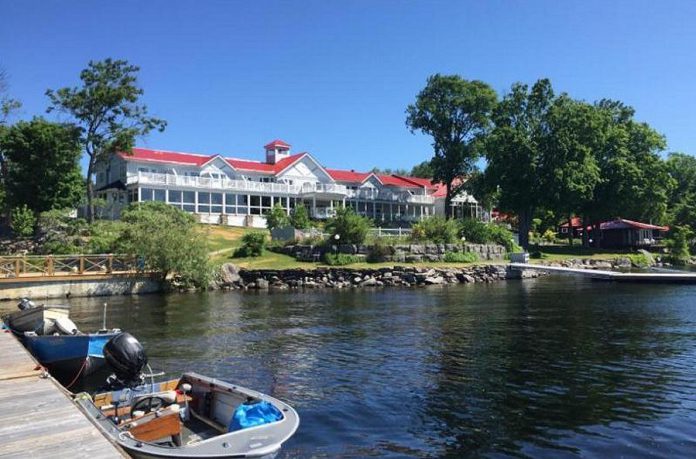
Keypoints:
pixel 423 170
pixel 678 245
pixel 514 154
pixel 569 171
pixel 682 169
pixel 349 226
pixel 168 241
pixel 276 217
pixel 389 171
pixel 7 107
pixel 455 112
pixel 299 217
pixel 23 221
pixel 107 112
pixel 43 170
pixel 635 182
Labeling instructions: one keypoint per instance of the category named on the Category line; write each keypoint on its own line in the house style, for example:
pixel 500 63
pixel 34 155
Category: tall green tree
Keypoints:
pixel 107 111
pixel 43 170
pixel 634 180
pixel 682 168
pixel 423 170
pixel 8 106
pixel 569 170
pixel 456 113
pixel 514 155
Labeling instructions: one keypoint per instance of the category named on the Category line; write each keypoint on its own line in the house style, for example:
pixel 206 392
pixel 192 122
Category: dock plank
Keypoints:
pixel 616 276
pixel 37 419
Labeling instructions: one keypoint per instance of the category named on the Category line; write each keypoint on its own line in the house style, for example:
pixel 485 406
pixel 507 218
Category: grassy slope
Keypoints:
pixel 222 242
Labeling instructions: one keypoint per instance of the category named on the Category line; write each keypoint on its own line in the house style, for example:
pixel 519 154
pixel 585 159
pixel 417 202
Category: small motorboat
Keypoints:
pixel 33 318
pixel 73 358
pixel 193 416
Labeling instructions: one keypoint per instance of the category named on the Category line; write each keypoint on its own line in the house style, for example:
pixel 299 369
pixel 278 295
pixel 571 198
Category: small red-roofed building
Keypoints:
pixel 220 189
pixel 623 233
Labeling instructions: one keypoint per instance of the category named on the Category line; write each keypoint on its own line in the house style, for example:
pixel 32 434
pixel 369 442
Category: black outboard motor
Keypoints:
pixel 25 303
pixel 126 357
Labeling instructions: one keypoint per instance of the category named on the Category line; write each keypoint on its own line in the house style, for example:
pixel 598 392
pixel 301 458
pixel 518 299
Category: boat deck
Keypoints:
pixel 38 419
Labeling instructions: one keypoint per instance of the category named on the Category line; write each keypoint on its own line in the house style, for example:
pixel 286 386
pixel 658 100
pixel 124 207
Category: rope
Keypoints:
pixel 84 364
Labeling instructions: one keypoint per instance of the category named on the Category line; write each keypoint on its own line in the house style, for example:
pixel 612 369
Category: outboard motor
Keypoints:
pixel 25 303
pixel 126 357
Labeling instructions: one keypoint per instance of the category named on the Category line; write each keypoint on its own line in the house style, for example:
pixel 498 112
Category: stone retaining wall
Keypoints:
pixel 335 277
pixel 400 253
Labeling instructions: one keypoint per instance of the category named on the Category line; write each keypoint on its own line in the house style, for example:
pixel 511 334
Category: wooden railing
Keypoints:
pixel 39 266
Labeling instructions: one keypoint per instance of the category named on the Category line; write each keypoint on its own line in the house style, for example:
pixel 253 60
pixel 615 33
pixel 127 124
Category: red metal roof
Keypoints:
pixel 161 156
pixel 277 143
pixel 575 221
pixel 622 223
pixel 395 180
pixel 347 176
pixel 256 166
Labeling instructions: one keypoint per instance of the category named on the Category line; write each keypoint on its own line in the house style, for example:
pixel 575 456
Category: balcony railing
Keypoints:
pixel 149 178
pixel 372 194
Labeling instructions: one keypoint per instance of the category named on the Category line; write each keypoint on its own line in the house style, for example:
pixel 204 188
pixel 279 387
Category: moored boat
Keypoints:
pixel 37 319
pixel 194 416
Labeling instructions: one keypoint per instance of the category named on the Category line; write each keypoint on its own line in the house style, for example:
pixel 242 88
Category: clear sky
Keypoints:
pixel 334 78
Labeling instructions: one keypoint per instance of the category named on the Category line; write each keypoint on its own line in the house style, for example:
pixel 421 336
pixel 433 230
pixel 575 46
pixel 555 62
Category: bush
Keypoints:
pixel 104 236
pixel 678 245
pixel 460 257
pixel 23 221
pixel 252 245
pixel 276 217
pixel 340 259
pixel 435 229
pixel 549 236
pixel 378 252
pixel 487 233
pixel 299 217
pixel 168 241
pixel 349 226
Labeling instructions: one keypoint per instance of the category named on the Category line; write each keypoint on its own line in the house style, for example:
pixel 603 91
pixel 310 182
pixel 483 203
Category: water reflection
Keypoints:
pixel 551 367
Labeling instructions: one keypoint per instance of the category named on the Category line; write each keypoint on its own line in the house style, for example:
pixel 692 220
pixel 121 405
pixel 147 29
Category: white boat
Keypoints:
pixel 37 319
pixel 192 417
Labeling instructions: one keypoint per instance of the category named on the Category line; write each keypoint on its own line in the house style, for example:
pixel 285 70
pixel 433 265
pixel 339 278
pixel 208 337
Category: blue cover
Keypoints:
pixel 255 414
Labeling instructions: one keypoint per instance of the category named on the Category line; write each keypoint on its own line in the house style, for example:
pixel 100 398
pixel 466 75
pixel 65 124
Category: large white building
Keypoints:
pixel 239 192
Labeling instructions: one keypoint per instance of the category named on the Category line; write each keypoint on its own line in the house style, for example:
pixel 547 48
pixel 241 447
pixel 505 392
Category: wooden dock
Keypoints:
pixel 37 418
pixel 614 276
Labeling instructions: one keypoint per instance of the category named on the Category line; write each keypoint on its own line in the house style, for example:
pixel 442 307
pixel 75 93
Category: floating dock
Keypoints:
pixel 37 418
pixel 615 276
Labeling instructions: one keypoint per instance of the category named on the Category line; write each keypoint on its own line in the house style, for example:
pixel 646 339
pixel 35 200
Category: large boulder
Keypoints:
pixel 229 274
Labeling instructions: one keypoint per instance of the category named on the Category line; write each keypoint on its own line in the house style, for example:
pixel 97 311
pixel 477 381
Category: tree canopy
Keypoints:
pixel 107 111
pixel 43 170
pixel 456 113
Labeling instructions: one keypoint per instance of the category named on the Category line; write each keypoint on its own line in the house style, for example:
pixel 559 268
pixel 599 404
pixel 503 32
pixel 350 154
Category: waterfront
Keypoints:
pixel 549 367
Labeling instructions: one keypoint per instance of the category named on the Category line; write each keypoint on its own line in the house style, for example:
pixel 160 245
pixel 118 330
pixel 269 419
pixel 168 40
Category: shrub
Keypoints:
pixel 549 236
pixel 23 221
pixel 640 260
pixel 378 252
pixel 340 259
pixel 487 233
pixel 299 217
pixel 252 245
pixel 435 229
pixel 276 217
pixel 104 236
pixel 349 226
pixel 460 257
pixel 168 241
pixel 678 245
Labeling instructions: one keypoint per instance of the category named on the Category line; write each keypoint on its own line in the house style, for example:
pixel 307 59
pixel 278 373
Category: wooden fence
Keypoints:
pixel 50 266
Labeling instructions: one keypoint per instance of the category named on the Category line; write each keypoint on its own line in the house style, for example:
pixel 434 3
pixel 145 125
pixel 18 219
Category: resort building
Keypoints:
pixel 238 192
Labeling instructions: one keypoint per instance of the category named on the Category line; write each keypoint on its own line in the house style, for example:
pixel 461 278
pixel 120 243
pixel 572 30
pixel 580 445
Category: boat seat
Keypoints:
pixel 156 425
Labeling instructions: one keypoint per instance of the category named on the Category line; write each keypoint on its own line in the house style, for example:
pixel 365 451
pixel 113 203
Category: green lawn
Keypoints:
pixel 223 240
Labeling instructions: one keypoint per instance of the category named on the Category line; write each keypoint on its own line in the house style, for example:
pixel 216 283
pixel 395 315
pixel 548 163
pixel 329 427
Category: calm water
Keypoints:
pixel 553 367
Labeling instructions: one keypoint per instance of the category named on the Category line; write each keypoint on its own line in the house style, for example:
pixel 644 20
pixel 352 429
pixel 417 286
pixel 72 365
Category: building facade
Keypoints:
pixel 238 192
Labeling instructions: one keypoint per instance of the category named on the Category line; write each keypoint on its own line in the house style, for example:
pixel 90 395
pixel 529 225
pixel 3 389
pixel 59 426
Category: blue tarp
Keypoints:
pixel 255 414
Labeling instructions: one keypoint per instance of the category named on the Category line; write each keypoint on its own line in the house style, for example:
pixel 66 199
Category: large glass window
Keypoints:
pixel 160 195
pixel 174 196
pixel 146 194
pixel 216 201
pixel 203 202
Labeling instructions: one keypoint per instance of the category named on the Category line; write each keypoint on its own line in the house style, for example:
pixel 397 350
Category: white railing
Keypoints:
pixel 149 178
pixel 332 188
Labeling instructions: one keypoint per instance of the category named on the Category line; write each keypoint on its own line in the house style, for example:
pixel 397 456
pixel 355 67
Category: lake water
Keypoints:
pixel 553 367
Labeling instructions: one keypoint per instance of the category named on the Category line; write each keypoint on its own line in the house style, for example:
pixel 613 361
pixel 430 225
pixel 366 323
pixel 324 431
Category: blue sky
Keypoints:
pixel 334 78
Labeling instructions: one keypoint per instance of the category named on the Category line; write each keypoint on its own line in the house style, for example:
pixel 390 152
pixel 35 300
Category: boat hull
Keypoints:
pixel 76 361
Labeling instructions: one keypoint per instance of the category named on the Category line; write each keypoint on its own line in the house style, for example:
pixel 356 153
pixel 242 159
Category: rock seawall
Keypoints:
pixel 233 278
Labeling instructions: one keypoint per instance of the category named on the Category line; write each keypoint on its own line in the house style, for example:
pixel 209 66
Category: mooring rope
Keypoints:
pixel 84 364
